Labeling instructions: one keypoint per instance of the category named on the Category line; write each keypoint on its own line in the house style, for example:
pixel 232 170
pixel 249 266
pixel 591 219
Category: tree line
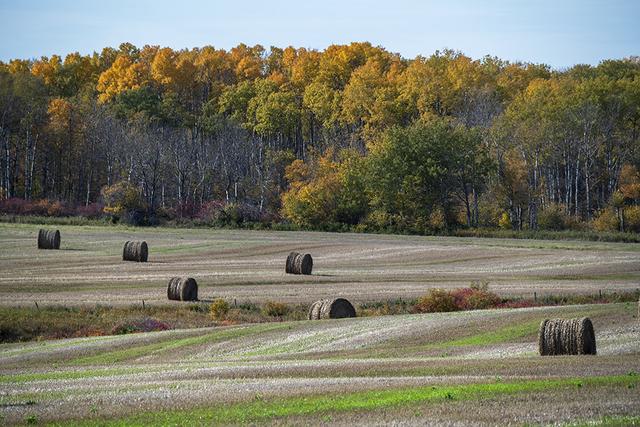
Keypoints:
pixel 352 135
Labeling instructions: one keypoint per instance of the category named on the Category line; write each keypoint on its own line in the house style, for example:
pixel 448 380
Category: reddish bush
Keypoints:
pixel 476 297
pixel 42 207
pixel 460 296
pixel 186 209
pixel 14 206
pixel 210 211
pixel 57 209
pixel 92 210
pixel 436 301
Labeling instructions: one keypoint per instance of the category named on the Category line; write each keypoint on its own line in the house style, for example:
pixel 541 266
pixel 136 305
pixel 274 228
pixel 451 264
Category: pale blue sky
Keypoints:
pixel 557 32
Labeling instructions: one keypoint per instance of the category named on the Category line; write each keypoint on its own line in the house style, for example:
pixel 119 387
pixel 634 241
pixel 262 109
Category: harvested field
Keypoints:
pixel 247 265
pixel 411 368
pixel 463 368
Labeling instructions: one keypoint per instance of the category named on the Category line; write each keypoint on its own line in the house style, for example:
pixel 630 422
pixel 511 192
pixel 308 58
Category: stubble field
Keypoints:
pixel 464 368
pixel 249 265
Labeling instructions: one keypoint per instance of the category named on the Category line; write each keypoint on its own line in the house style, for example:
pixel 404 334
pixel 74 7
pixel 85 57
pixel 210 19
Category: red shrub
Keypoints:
pixel 473 298
pixel 481 299
pixel 92 210
pixel 39 207
pixel 436 301
pixel 14 206
pixel 210 211
pixel 461 296
pixel 42 207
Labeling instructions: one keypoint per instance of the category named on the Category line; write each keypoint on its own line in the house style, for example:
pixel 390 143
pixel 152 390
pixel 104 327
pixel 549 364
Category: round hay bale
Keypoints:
pixel 135 251
pixel 566 336
pixel 299 263
pixel 303 264
pixel 182 289
pixel 336 308
pixel 48 239
pixel 314 310
pixel 288 268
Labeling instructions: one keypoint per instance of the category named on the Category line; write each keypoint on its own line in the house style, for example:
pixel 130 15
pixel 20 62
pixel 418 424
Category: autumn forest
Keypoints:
pixel 352 137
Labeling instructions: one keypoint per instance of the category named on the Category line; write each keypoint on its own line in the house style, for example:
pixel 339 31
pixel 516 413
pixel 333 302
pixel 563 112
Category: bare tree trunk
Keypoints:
pixel 587 189
pixel 476 213
pixel 575 192
pixel 7 169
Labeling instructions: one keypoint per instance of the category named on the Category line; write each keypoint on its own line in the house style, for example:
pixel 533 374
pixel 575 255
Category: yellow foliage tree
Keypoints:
pixel 123 75
pixel 121 197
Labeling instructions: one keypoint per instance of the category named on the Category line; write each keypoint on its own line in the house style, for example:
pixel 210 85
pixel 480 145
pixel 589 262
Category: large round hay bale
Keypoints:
pixel 304 264
pixel 566 336
pixel 135 251
pixel 336 308
pixel 182 289
pixel 299 263
pixel 48 239
pixel 314 310
pixel 288 268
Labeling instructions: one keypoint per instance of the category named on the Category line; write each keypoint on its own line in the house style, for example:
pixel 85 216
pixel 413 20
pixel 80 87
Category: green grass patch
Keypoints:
pixel 261 409
pixel 503 335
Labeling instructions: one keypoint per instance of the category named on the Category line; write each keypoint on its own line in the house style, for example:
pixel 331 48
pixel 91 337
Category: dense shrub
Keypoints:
pixel 219 309
pixel 91 211
pixel 554 217
pixel 481 300
pixel 121 198
pixel 239 213
pixel 13 206
pixel 275 309
pixel 210 212
pixel 38 207
pixel 436 301
pixel 221 213
pixel 606 220
pixel 42 207
pixel 632 219
pixel 437 220
pixel 475 297
pixel 139 218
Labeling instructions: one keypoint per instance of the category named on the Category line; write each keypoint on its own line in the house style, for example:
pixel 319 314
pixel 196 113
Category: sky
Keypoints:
pixel 559 33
